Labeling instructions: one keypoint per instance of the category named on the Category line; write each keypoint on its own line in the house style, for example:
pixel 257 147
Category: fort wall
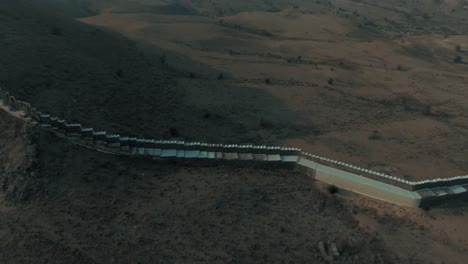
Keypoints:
pixel 363 181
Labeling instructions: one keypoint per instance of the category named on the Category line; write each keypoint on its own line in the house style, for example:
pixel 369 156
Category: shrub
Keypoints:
pixel 457 48
pixel 220 76
pixel 266 124
pixel 330 81
pixel 56 31
pixel 119 73
pixel 267 81
pixel 332 189
pixel 401 68
pixel 458 59
pixel 375 135
pixel 173 131
pixel 162 59
pixel 427 111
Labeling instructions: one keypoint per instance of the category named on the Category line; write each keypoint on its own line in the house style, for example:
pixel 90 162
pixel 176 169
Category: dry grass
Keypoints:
pixel 358 47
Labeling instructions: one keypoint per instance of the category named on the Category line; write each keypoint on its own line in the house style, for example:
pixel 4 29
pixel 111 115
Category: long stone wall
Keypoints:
pixel 360 180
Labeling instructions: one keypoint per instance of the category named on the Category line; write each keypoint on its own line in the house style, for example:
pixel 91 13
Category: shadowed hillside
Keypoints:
pixel 81 206
pixel 101 79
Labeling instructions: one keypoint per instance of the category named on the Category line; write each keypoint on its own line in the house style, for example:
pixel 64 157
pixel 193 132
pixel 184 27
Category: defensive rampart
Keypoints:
pixel 347 176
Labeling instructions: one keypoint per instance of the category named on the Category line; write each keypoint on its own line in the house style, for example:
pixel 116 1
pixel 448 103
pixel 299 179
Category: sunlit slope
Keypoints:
pixel 377 83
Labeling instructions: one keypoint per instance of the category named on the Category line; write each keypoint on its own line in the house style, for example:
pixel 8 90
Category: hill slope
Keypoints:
pixel 86 207
pixel 368 82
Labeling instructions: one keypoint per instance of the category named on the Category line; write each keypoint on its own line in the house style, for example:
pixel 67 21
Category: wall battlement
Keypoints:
pixel 360 180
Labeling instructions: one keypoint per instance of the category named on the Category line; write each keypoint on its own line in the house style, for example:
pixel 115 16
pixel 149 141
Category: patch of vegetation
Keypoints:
pixel 169 9
pixel 419 51
pixel 174 132
pixel 119 73
pixel 248 29
pixel 56 31
pixel 458 59
pixel 375 135
pixel 266 124
pixel 426 16
pixel 402 68
pixel 163 59
pixel 427 111
pixel 330 81
pixel 332 189
pixel 173 9
pixel 367 33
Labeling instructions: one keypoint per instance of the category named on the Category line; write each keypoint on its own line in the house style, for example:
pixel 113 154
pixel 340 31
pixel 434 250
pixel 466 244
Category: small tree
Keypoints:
pixel 266 124
pixel 375 135
pixel 330 81
pixel 162 59
pixel 173 131
pixel 458 59
pixel 332 189
pixel 56 31
pixel 119 73
pixel 427 111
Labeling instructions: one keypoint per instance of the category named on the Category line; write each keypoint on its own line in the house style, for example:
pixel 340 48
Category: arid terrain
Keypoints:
pixel 378 84
pixel 376 81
